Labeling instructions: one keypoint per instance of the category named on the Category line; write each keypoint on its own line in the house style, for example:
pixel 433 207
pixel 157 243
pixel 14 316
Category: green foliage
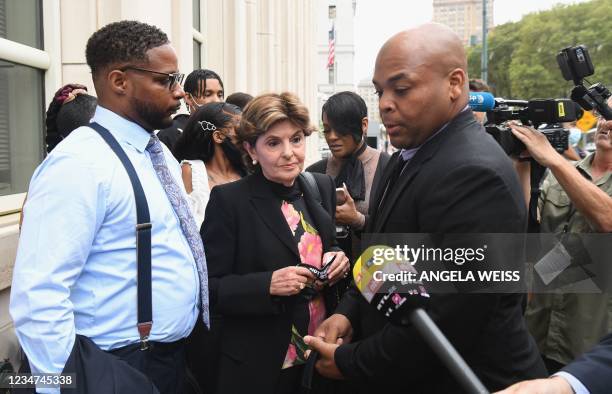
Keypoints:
pixel 522 55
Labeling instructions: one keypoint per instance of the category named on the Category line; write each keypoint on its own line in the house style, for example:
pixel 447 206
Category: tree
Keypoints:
pixel 522 55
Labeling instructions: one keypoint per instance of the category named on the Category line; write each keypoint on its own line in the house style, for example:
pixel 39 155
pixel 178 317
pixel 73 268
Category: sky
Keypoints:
pixel 377 20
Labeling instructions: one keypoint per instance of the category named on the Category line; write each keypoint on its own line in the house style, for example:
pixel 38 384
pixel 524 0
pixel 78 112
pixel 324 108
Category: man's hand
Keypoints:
pixel 336 329
pixel 326 365
pixel 537 144
pixel 347 214
pixel 554 385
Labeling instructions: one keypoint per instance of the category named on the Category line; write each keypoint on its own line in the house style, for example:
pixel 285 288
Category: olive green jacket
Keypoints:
pixel 566 325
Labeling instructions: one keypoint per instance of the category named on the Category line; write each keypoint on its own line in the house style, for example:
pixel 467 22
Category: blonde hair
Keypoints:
pixel 266 110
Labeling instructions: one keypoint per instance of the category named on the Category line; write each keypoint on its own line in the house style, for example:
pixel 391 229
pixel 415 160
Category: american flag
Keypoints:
pixel 332 48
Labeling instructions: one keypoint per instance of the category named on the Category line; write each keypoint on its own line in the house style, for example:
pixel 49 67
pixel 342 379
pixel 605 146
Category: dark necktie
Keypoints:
pixel 186 220
pixel 400 164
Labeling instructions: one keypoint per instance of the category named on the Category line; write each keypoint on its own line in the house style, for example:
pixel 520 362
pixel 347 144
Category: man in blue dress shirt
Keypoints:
pixel 591 373
pixel 75 271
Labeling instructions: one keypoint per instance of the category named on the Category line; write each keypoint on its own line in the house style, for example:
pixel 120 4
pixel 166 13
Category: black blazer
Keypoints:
pixel 171 134
pixel 460 181
pixel 246 238
pixel 594 368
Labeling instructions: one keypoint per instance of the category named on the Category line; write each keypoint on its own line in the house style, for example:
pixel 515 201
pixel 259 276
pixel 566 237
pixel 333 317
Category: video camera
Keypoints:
pixel 575 63
pixel 537 112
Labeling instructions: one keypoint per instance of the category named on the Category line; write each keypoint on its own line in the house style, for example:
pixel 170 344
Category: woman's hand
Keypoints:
pixel 347 214
pixel 339 268
pixel 290 280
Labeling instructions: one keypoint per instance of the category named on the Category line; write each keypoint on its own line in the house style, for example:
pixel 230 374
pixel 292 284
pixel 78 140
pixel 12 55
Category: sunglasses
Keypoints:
pixel 173 78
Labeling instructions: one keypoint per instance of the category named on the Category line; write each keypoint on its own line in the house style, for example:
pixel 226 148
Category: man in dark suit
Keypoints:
pixel 449 177
pixel 591 373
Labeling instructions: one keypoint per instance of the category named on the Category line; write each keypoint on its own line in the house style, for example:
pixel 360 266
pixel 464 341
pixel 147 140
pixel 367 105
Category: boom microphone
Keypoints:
pixel 481 101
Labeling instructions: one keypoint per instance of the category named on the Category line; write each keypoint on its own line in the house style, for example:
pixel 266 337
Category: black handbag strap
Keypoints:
pixel 312 184
pixel 143 240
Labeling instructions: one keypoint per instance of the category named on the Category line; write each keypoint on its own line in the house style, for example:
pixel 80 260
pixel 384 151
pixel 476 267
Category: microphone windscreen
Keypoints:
pixel 385 283
pixel 481 101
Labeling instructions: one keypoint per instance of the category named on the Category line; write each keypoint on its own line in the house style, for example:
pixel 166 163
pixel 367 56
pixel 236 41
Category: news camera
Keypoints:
pixel 575 64
pixel 549 113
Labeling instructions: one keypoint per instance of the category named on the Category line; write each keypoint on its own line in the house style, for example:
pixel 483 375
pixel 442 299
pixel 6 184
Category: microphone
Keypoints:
pixel 481 101
pixel 402 300
pixel 394 299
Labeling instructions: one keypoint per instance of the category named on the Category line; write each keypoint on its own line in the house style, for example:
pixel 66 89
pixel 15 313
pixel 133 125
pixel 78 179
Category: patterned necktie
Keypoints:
pixel 188 224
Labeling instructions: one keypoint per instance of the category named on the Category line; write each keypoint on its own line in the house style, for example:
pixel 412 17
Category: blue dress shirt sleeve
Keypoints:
pixel 65 207
pixel 576 384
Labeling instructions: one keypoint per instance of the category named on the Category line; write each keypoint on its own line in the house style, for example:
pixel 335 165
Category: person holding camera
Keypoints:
pixel 574 198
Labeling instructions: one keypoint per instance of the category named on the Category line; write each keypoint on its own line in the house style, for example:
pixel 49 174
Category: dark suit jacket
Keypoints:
pixel 460 181
pixel 594 368
pixel 246 238
pixel 171 134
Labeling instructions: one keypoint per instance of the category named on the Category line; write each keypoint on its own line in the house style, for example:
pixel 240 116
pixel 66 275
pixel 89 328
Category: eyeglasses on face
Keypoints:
pixel 173 78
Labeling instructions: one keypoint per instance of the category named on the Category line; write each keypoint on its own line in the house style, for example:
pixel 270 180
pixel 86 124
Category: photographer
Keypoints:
pixel 573 199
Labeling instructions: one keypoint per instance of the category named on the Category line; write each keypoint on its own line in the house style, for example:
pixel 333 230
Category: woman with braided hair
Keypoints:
pixel 71 108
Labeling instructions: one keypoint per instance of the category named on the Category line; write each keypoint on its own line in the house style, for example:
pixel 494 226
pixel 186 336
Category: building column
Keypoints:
pixel 214 47
pixel 181 35
pixel 252 58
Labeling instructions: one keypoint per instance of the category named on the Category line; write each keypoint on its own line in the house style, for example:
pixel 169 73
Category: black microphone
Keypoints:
pixel 388 287
pixel 580 95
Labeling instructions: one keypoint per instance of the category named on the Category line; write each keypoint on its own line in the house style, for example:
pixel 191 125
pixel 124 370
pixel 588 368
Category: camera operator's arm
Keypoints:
pixel 588 199
pixel 522 169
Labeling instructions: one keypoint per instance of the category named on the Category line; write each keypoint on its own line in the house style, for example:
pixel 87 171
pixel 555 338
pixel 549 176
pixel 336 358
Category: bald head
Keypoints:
pixel 432 44
pixel 421 79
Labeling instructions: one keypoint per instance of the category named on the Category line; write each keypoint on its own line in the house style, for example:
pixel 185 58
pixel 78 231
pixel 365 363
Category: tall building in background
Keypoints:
pixel 464 17
pixel 365 89
pixel 377 135
pixel 335 47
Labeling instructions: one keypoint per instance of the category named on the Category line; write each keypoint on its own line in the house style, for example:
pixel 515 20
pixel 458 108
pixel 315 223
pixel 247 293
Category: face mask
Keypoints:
pixel 233 154
pixel 195 103
pixel 574 136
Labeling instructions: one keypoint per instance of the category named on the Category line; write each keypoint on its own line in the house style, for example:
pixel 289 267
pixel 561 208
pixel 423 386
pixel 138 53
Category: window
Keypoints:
pixel 21 125
pixel 196 14
pixel 21 21
pixel 198 37
pixel 197 55
pixel 332 12
pixel 21 98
